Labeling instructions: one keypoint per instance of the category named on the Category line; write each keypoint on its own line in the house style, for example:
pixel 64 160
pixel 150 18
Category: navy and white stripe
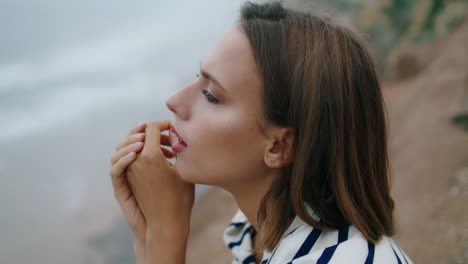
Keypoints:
pixel 302 244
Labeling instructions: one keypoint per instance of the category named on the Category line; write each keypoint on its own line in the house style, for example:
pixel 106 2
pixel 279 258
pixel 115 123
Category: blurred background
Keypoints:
pixel 76 76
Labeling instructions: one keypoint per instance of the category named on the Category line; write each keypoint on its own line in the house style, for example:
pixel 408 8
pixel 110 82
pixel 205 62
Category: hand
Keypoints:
pixel 165 200
pixel 125 154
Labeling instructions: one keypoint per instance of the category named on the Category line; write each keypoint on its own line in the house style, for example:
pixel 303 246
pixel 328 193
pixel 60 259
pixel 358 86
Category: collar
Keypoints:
pixel 238 235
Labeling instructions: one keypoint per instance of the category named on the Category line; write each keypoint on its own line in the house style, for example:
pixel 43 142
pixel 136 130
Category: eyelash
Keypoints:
pixel 209 97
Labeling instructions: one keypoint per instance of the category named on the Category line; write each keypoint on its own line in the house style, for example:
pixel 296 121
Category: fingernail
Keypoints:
pixel 141 124
pixel 139 136
pixel 129 155
pixel 136 145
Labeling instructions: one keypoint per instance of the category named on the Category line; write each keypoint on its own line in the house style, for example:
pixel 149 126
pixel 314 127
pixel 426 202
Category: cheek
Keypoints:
pixel 223 148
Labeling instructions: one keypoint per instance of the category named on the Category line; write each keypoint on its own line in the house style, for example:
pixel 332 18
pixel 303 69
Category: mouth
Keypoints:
pixel 177 143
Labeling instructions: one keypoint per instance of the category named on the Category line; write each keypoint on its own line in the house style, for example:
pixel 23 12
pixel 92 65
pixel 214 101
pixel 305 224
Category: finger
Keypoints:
pixel 138 128
pixel 136 147
pixel 119 183
pixel 153 134
pixel 130 140
pixel 167 153
pixel 122 164
pixel 140 137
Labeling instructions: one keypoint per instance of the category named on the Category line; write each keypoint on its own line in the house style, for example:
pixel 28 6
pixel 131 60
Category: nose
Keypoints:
pixel 179 104
pixel 170 103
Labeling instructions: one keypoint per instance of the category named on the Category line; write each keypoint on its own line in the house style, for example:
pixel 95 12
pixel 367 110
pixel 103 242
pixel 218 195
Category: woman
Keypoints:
pixel 288 116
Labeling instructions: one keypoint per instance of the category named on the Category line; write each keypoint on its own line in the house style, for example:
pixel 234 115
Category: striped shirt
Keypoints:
pixel 303 244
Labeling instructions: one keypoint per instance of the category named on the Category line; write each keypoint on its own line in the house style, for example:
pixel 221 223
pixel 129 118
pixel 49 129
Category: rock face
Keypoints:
pixel 428 154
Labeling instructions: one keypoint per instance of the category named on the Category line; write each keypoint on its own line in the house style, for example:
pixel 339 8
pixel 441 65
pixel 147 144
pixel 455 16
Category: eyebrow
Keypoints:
pixel 210 77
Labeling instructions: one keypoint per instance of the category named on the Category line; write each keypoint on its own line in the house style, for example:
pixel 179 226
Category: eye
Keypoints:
pixel 210 97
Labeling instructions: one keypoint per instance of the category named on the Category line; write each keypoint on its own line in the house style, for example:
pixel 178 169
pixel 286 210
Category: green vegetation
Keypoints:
pixel 392 24
pixel 461 120
pixel 428 28
pixel 400 14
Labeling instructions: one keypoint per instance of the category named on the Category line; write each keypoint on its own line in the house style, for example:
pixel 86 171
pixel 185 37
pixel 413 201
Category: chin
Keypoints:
pixel 187 176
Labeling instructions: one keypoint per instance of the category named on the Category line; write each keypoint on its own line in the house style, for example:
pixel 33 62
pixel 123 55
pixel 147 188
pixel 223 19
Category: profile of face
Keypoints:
pixel 221 121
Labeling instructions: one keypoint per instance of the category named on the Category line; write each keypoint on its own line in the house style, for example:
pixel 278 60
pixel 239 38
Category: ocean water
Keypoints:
pixel 75 77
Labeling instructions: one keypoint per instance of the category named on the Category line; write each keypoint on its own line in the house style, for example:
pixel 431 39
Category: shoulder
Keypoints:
pixel 347 245
pixel 301 244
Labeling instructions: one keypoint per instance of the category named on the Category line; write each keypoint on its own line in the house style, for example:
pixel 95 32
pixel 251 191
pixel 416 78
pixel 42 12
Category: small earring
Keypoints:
pixel 272 160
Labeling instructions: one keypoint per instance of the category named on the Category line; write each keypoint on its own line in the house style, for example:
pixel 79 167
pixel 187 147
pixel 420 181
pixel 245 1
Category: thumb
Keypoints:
pixel 153 135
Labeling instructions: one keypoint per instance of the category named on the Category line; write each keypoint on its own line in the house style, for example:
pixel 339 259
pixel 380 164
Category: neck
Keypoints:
pixel 249 195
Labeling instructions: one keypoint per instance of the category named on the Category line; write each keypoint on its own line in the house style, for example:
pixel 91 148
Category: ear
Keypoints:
pixel 279 150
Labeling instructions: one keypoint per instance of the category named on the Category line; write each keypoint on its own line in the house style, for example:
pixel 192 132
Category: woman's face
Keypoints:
pixel 220 120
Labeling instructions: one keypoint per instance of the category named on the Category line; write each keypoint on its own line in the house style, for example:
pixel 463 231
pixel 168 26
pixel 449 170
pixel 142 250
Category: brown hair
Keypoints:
pixel 320 80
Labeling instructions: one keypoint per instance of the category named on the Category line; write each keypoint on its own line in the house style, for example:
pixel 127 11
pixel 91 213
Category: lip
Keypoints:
pixel 173 129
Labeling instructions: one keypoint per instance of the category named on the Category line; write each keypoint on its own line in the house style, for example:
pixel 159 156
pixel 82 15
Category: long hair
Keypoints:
pixel 320 80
